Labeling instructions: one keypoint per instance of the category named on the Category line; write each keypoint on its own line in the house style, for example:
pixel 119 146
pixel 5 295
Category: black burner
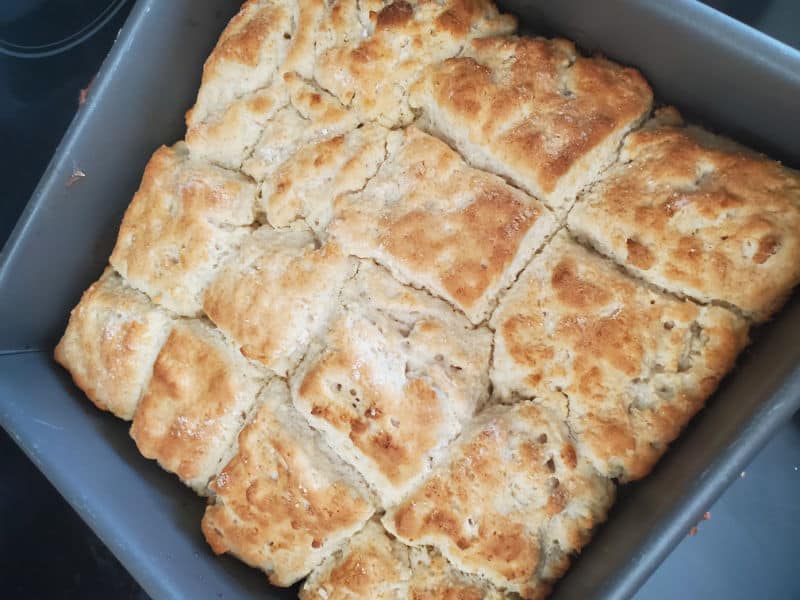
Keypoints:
pixel 43 28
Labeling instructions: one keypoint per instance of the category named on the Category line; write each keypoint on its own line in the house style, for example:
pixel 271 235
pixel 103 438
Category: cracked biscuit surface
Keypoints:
pixel 634 364
pixel 274 295
pixel 284 501
pixel 196 401
pixel 393 380
pixel 111 342
pixel 698 215
pixel 370 51
pixel 511 503
pixel 374 565
pixel 534 111
pixel 437 223
pixel 266 39
pixel 184 220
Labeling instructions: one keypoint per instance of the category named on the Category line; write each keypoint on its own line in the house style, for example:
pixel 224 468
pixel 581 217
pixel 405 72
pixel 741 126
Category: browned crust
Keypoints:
pixel 634 365
pixel 512 488
pixel 280 503
pixel 194 404
pixel 532 109
pixel 699 216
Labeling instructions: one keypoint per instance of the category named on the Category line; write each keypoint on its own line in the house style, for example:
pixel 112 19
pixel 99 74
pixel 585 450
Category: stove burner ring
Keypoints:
pixel 66 43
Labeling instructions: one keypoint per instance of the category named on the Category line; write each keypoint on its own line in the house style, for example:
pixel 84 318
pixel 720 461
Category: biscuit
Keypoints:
pixel 632 364
pixel 111 342
pixel 228 136
pixel 368 53
pixel 306 185
pixel 184 220
pixel 392 380
pixel 437 223
pixel 251 53
pixel 511 503
pixel 374 565
pixel 274 295
pixel 699 216
pixel 284 501
pixel 197 399
pixel 311 115
pixel 534 111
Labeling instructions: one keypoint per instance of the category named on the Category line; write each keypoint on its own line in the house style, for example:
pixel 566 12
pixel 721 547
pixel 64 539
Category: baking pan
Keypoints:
pixel 727 75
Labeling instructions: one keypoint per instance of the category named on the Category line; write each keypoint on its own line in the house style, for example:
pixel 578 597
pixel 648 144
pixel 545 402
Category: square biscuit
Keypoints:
pixel 437 223
pixel 184 220
pixel 284 501
pixel 305 186
pixel 632 364
pixel 274 295
pixel 266 39
pixel 510 504
pixel 310 115
pixel 534 111
pixel 197 399
pixel 111 342
pixel 369 565
pixel 374 565
pixel 697 215
pixel 369 52
pixel 393 379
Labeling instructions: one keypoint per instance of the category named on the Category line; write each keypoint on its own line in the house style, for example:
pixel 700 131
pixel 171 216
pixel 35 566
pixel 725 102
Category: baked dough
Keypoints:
pixel 374 565
pixel 284 501
pixel 437 223
pixel 416 294
pixel 632 364
pixel 111 343
pixel 393 380
pixel 370 51
pixel 512 501
pixel 197 399
pixel 306 185
pixel 184 220
pixel 534 111
pixel 698 215
pixel 272 328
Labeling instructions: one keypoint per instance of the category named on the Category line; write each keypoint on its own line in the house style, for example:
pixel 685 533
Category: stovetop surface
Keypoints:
pixel 747 549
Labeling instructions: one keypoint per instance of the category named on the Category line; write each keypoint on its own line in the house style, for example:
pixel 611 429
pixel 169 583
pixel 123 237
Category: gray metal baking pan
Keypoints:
pixel 730 77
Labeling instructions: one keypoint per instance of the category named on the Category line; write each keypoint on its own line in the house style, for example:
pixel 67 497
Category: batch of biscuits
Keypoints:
pixel 416 294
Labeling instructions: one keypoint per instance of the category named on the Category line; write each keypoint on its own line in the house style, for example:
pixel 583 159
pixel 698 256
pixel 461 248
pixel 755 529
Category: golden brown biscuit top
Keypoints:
pixel 195 403
pixel 185 218
pixel 512 487
pixel 310 115
pixel 113 338
pixel 370 565
pixel 531 109
pixel 633 363
pixel 283 503
pixel 371 52
pixel 392 380
pixel 307 184
pixel 439 224
pixel 276 328
pixel 248 56
pixel 699 216
pixel 373 564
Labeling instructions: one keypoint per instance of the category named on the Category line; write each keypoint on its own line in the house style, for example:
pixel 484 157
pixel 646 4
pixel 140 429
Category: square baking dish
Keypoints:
pixel 731 78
